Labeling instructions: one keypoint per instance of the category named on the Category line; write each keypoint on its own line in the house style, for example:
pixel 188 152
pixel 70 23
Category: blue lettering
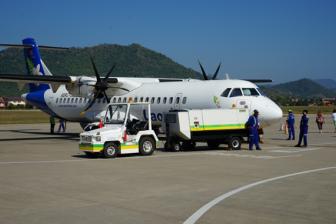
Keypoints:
pixel 159 117
pixel 144 114
pixel 153 117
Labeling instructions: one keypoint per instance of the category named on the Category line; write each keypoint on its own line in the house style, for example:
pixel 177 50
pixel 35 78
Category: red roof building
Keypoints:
pixel 2 103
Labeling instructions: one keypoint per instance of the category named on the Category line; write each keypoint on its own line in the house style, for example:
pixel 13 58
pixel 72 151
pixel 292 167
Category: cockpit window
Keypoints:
pixel 250 92
pixel 226 92
pixel 261 93
pixel 236 92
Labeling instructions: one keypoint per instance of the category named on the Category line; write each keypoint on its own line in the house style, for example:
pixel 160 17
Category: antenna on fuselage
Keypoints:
pixel 227 76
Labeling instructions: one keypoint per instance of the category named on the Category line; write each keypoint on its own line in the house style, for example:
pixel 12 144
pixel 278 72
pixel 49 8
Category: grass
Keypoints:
pixel 23 117
pixel 311 110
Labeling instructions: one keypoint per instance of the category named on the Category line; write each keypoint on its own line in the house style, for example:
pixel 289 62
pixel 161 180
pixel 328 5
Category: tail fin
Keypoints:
pixel 34 64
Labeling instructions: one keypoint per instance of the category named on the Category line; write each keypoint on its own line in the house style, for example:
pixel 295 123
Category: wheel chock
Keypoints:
pixel 228 149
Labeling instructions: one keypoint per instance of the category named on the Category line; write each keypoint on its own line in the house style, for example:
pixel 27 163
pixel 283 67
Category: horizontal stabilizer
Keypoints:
pixel 30 46
pixel 258 80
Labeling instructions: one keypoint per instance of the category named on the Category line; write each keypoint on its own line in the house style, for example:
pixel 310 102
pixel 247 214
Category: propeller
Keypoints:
pixel 100 86
pixel 204 74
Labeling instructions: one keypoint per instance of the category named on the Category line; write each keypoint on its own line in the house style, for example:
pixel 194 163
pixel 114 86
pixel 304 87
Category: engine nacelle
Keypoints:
pixel 82 86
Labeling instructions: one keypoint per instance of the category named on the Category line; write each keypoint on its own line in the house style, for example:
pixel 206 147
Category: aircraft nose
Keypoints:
pixel 24 96
pixel 271 114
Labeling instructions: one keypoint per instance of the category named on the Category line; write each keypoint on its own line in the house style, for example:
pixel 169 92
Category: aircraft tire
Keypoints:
pixel 146 146
pixel 110 150
pixel 213 144
pixel 234 143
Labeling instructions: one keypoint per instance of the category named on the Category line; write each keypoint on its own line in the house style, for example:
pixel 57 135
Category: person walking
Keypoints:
pixel 320 120
pixel 61 121
pixel 290 121
pixel 52 123
pixel 253 125
pixel 334 118
pixel 303 129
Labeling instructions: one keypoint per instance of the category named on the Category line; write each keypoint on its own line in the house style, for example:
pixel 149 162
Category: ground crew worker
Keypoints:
pixel 61 121
pixel 290 121
pixel 303 129
pixel 52 123
pixel 253 125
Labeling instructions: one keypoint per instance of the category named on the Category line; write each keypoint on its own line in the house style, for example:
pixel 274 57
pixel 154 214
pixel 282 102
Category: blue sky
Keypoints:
pixel 281 40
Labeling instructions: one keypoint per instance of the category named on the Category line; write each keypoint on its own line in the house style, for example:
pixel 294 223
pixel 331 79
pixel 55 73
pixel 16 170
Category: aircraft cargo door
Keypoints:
pixel 178 99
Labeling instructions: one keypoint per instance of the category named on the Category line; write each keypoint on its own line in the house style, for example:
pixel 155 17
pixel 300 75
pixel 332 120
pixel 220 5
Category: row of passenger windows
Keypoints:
pixel 124 100
pixel 238 92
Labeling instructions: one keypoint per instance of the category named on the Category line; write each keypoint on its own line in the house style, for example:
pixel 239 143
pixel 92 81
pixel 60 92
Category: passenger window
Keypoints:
pixel 236 92
pixel 104 100
pixel 60 100
pixel 110 98
pixel 141 99
pixel 72 100
pixel 147 99
pixel 250 92
pixel 135 99
pixel 57 100
pixel 119 100
pixel 184 100
pixel 68 101
pixel 124 101
pixel 170 100
pixel 76 101
pixel 158 100
pixel 164 100
pixel 85 100
pixel 80 100
pixel 226 92
pixel 114 99
pixel 177 100
pixel 89 101
pixel 153 99
pixel 99 100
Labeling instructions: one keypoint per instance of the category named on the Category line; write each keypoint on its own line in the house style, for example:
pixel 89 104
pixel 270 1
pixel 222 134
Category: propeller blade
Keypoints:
pixel 214 77
pixel 93 101
pixel 108 74
pixel 107 99
pixel 204 75
pixel 96 71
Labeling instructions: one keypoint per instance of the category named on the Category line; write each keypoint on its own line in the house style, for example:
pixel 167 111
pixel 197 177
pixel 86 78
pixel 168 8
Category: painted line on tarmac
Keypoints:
pixel 294 150
pixel 205 208
pixel 247 156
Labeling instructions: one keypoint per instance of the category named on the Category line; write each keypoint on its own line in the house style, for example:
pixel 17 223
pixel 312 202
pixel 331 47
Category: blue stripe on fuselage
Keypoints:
pixel 37 99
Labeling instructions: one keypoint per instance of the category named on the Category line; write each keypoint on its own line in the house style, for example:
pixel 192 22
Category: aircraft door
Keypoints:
pixel 50 103
pixel 177 102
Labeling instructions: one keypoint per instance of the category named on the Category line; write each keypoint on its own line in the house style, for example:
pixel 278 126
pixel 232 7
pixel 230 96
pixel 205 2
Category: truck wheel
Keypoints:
pixel 146 146
pixel 175 146
pixel 110 150
pixel 213 144
pixel 234 143
pixel 92 154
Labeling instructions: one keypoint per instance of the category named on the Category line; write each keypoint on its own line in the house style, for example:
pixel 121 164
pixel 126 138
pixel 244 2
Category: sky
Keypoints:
pixel 281 40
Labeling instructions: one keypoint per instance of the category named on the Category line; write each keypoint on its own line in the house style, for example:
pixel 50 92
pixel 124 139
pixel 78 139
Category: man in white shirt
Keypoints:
pixel 334 118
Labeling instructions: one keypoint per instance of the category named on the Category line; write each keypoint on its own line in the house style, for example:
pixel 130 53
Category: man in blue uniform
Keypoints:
pixel 253 125
pixel 303 129
pixel 290 122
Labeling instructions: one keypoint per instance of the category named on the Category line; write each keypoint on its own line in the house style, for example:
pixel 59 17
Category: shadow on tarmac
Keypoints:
pixel 60 135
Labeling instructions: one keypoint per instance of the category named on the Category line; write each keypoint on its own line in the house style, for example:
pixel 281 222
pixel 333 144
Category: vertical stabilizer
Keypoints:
pixel 34 64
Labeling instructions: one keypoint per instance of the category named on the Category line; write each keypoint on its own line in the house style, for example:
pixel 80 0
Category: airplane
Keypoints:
pixel 84 99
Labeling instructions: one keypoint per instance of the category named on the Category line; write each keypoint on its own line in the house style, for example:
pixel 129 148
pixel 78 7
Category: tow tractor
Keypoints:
pixel 214 126
pixel 120 134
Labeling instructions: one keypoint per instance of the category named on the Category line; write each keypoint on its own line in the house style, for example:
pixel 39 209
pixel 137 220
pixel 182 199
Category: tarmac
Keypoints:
pixel 45 179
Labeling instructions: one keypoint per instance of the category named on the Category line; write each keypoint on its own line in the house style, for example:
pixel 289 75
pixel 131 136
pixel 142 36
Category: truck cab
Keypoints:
pixel 120 133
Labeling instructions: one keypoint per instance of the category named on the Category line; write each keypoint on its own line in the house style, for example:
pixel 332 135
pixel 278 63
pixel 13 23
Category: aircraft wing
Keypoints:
pixel 258 80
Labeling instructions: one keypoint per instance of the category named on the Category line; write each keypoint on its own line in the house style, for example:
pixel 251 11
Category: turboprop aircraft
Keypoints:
pixel 83 99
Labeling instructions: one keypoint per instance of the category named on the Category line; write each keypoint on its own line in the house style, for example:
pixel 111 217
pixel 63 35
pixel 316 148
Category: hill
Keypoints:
pixel 304 88
pixel 133 61
pixel 328 83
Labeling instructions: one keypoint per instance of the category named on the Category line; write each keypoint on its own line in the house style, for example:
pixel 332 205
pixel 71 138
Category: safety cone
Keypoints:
pixel 286 130
pixel 100 124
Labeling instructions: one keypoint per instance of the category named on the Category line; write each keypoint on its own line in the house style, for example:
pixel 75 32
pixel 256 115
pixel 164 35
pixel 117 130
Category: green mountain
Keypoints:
pixel 304 88
pixel 133 61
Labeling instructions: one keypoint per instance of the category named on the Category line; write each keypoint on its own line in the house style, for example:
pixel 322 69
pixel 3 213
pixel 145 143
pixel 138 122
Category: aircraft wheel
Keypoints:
pixel 110 150
pixel 175 146
pixel 92 154
pixel 235 143
pixel 146 146
pixel 213 144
